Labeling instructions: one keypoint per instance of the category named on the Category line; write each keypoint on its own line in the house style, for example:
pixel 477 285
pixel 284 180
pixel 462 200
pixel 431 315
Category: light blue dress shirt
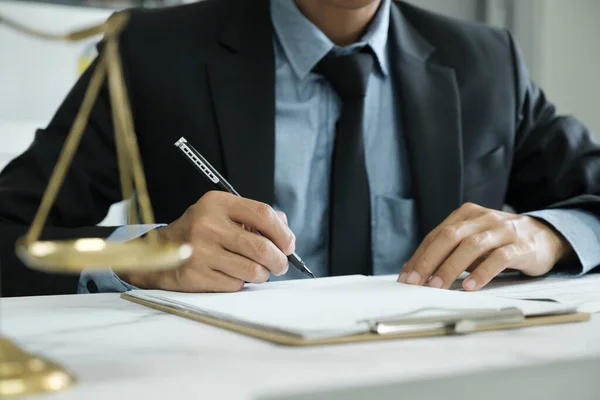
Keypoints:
pixel 307 109
pixel 306 112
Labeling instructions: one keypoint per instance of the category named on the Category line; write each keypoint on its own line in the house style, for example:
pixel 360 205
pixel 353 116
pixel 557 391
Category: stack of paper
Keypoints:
pixel 580 292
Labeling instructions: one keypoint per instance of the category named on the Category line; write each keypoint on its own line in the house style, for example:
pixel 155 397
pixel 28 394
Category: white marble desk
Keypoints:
pixel 118 349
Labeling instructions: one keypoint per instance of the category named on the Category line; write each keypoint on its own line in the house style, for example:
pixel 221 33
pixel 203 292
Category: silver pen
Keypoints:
pixel 210 173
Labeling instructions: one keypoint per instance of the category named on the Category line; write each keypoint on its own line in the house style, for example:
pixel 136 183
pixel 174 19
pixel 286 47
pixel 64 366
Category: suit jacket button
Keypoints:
pixel 92 287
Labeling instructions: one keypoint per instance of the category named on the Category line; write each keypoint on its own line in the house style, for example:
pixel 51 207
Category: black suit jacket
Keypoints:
pixel 476 128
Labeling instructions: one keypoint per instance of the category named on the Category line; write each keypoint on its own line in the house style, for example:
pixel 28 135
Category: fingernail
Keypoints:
pixel 470 284
pixel 436 282
pixel 402 278
pixel 414 278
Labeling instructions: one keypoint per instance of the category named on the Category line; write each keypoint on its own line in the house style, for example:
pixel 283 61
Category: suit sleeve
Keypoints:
pixel 89 189
pixel 556 163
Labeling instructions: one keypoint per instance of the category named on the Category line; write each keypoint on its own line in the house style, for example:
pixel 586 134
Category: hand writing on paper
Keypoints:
pixel 226 250
pixel 485 242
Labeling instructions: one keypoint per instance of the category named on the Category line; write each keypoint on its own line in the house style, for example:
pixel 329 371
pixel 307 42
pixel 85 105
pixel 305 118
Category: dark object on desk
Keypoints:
pixel 476 128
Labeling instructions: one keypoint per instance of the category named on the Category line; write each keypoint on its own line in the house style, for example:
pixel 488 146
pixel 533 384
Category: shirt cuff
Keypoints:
pixel 582 231
pixel 94 281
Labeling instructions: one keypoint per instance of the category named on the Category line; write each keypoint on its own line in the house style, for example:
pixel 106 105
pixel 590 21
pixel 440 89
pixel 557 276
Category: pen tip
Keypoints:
pixel 307 271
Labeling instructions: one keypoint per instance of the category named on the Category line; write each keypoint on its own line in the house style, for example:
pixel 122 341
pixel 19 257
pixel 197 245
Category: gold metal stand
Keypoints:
pixel 73 256
pixel 22 373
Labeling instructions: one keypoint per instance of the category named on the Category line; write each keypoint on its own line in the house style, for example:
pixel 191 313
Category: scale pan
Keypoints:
pixel 72 256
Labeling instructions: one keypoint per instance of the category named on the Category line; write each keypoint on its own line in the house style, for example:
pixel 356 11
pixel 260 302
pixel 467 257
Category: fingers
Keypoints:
pixel 459 215
pixel 257 249
pixel 500 259
pixel 239 267
pixel 283 217
pixel 195 280
pixel 262 217
pixel 445 244
pixel 469 252
pixel 214 269
pixel 227 249
pixel 224 283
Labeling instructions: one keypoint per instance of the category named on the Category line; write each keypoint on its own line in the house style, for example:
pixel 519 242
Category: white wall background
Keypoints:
pixel 569 64
pixel 35 75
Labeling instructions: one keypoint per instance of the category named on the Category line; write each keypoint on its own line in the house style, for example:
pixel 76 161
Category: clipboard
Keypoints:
pixel 390 328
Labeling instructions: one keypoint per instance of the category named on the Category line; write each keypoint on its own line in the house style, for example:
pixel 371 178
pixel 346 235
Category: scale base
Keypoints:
pixel 23 374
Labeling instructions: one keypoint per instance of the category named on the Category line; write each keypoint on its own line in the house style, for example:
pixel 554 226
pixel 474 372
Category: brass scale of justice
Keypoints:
pixel 22 373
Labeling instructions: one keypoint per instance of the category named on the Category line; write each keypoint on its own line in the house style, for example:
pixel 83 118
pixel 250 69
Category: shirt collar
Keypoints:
pixel 305 45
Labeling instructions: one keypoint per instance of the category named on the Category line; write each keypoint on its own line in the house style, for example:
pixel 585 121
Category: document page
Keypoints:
pixel 334 306
pixel 581 292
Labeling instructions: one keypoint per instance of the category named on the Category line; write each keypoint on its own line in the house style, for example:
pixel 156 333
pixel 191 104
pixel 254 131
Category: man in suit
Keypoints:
pixel 390 136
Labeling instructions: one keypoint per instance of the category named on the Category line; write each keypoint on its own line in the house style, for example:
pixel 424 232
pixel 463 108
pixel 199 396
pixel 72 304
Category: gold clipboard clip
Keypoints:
pixel 456 321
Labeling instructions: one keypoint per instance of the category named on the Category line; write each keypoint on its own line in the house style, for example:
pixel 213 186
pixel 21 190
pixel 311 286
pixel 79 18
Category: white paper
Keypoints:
pixel 335 306
pixel 582 292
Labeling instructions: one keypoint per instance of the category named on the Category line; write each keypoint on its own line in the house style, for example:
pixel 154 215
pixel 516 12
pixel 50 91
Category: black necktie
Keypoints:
pixel 350 211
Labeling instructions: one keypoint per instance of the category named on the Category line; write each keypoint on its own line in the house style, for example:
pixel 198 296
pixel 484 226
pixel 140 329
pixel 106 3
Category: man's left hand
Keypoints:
pixel 485 242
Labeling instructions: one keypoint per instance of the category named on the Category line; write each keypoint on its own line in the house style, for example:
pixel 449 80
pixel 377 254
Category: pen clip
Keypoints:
pixel 197 160
pixel 203 165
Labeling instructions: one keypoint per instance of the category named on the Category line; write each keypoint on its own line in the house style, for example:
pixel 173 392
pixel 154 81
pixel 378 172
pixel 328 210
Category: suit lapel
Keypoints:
pixel 429 99
pixel 242 85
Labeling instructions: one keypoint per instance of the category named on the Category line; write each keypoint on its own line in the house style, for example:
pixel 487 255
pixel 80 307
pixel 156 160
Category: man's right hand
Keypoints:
pixel 225 253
